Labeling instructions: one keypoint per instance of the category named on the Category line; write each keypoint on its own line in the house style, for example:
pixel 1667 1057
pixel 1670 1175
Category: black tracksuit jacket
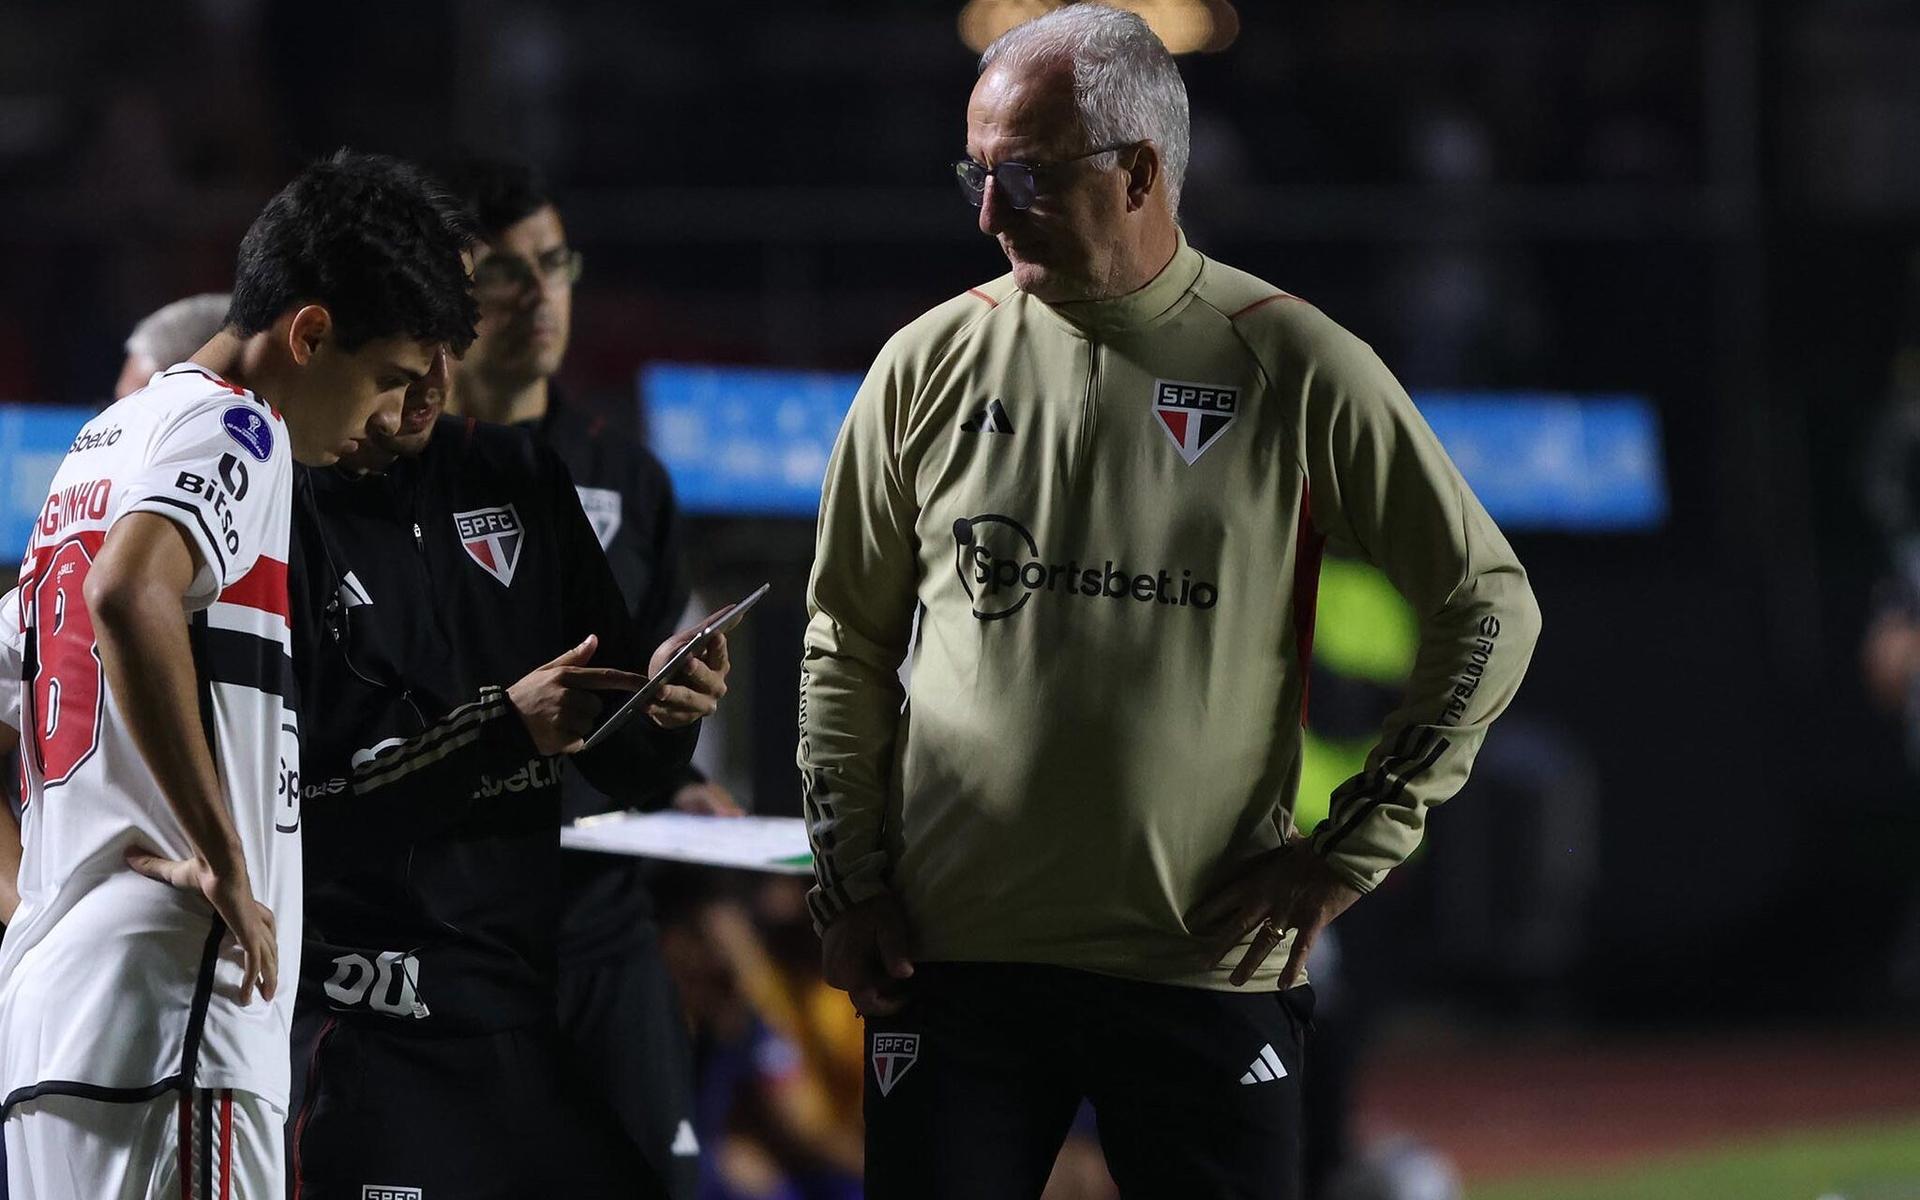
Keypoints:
pixel 430 820
pixel 607 910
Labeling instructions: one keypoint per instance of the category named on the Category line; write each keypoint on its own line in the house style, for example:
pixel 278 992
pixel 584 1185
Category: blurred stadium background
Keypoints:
pixel 1653 269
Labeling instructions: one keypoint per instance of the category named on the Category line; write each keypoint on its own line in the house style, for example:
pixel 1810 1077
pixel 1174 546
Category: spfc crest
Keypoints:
pixel 492 537
pixel 893 1053
pixel 1194 415
pixel 602 506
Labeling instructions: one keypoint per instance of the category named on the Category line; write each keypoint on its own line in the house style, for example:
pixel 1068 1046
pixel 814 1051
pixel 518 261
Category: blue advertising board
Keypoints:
pixel 33 440
pixel 750 441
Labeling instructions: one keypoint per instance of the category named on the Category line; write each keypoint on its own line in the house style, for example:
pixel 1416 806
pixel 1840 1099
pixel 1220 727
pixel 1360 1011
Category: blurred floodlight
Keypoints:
pixel 1186 26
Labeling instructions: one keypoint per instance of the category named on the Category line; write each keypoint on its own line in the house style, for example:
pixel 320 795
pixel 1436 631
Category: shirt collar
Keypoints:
pixel 1145 304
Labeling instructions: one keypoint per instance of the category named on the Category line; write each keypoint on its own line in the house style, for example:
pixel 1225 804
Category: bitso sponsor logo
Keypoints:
pixel 1001 567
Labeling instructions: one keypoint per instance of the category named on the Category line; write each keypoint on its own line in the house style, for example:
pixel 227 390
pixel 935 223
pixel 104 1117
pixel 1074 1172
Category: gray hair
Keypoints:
pixel 174 332
pixel 1125 84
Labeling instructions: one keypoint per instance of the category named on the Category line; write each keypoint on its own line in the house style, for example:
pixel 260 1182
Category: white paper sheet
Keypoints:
pixel 775 844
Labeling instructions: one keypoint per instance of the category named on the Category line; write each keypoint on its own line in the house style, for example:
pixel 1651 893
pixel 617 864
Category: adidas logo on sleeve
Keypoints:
pixel 990 417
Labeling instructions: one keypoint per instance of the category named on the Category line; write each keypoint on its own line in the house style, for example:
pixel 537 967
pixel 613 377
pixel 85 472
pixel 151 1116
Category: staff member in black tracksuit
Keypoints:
pixel 425 1048
pixel 618 1009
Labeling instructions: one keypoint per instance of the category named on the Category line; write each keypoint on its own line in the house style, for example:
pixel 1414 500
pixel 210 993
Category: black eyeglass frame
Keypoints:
pixel 1017 180
pixel 503 276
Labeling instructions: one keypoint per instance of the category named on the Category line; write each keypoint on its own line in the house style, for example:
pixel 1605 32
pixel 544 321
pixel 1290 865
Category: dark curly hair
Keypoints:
pixel 498 193
pixel 374 239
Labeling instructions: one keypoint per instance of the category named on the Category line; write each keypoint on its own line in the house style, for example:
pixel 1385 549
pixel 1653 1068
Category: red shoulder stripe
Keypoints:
pixel 1262 303
pixel 264 587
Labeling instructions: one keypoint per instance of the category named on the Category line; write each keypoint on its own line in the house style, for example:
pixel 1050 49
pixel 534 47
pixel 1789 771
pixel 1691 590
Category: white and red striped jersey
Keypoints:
pixel 114 986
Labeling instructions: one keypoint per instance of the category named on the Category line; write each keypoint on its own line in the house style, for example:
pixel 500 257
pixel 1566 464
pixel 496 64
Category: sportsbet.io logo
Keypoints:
pixel 1001 568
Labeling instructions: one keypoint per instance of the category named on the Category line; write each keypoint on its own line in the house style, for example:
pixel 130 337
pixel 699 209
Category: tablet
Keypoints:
pixel 721 622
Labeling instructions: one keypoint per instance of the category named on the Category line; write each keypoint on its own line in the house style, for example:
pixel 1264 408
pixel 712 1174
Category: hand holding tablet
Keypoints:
pixel 671 672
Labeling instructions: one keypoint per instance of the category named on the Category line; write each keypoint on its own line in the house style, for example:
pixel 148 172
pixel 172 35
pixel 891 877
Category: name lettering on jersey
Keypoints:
pixel 538 773
pixel 1001 568
pixel 602 506
pixel 248 427
pixel 1194 415
pixel 492 538
pixel 77 502
pixel 94 439
pixel 216 494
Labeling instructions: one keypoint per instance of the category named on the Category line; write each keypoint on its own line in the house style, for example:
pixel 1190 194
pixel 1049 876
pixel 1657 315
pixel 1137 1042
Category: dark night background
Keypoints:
pixel 1715 205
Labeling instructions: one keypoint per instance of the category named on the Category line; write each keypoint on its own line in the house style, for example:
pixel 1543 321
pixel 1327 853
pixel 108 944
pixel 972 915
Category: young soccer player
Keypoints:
pixel 143 1028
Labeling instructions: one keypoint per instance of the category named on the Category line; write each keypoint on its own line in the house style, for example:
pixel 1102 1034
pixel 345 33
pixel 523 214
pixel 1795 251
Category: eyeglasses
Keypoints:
pixel 503 277
pixel 1018 181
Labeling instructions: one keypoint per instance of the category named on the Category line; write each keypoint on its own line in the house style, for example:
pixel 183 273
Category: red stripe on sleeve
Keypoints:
pixel 991 302
pixel 264 587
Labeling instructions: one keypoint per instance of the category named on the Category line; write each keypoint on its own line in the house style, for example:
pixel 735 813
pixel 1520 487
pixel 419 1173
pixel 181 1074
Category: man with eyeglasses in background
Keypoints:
pixel 619 1012
pixel 1067 868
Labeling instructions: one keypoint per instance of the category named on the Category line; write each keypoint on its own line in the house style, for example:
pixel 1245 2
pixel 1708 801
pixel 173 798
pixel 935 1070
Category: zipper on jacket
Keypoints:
pixel 419 539
pixel 1089 417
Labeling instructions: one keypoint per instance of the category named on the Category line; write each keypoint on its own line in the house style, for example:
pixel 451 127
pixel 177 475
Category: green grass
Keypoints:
pixel 1874 1162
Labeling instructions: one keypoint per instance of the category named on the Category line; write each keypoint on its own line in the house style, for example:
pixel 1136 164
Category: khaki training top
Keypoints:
pixel 1111 514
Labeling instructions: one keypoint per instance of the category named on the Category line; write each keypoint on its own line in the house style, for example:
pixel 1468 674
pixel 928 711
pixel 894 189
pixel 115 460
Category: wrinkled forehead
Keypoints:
pixel 1024 111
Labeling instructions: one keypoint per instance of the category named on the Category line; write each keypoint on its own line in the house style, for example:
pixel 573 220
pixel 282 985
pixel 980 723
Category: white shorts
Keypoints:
pixel 212 1145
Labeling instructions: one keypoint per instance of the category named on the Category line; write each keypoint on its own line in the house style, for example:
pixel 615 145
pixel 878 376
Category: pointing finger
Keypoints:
pixel 604 679
pixel 578 654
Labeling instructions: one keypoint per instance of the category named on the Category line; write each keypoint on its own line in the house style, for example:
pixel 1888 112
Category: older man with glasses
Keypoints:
pixel 1065 866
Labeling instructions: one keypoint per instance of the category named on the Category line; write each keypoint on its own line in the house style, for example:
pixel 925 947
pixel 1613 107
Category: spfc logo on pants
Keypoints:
pixel 893 1053
pixel 492 537
pixel 1194 415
